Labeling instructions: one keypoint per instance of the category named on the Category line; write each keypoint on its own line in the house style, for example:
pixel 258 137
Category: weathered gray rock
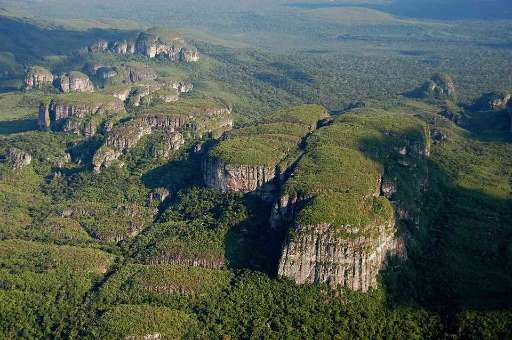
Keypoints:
pixel 158 195
pixel 37 77
pixel 75 82
pixel 499 101
pixel 17 159
pixel 317 254
pixel 67 114
pixel 439 87
pixel 171 141
pixel 236 178
pixel 150 45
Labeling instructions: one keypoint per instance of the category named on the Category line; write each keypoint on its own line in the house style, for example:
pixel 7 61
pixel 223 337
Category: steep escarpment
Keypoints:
pixel 77 113
pixel 126 73
pixel 150 44
pixel 191 119
pixel 250 158
pixel 339 203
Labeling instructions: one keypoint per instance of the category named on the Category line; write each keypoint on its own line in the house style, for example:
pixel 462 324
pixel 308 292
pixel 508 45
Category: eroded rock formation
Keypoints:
pixel 441 86
pixel 342 209
pixel 151 45
pixel 236 178
pixel 126 135
pixel 318 254
pixel 75 82
pixel 17 159
pixel 77 115
pixel 37 77
pixel 249 160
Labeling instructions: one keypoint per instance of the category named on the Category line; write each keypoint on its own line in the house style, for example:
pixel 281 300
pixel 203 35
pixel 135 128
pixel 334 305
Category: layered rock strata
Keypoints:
pixel 126 135
pixel 72 114
pixel 248 159
pixel 341 208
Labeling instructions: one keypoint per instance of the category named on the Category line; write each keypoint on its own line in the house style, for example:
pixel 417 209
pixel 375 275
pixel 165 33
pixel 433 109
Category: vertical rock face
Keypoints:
pixel 75 82
pixel 341 207
pixel 319 255
pixel 250 159
pixel 68 114
pixel 37 77
pixel 225 177
pixel 150 45
pixel 43 121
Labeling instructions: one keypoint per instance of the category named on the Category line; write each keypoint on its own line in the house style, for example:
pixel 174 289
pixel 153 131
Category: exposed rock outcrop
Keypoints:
pixel 249 159
pixel 441 86
pixel 319 255
pixel 151 45
pixel 37 77
pixel 171 141
pixel 128 134
pixel 236 178
pixel 75 82
pixel 72 114
pixel 499 101
pixel 158 195
pixel 17 159
pixel 342 209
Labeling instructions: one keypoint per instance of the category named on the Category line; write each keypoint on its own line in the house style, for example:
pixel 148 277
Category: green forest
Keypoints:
pixel 255 170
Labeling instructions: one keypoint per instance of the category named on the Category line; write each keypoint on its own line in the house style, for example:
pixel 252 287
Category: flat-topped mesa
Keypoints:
pixel 78 113
pixel 339 202
pixel 177 121
pixel 37 77
pixel 75 82
pixel 250 158
pixel 150 44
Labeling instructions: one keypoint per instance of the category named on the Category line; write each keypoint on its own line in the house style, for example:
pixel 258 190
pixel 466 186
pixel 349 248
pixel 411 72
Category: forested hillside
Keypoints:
pixel 344 173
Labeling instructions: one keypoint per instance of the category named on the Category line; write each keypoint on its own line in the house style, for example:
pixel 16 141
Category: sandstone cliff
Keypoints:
pixel 150 44
pixel 346 196
pixel 75 82
pixel 236 178
pixel 37 77
pixel 441 86
pixel 75 113
pixel 126 135
pixel 250 159
pixel 319 255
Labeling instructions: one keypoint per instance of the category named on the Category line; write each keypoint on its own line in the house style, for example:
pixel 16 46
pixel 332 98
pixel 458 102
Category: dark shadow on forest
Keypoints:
pixel 461 258
pixel 8 127
pixel 31 43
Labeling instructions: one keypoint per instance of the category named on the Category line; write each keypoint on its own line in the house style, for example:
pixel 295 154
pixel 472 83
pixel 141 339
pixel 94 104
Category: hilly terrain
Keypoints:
pixel 281 170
